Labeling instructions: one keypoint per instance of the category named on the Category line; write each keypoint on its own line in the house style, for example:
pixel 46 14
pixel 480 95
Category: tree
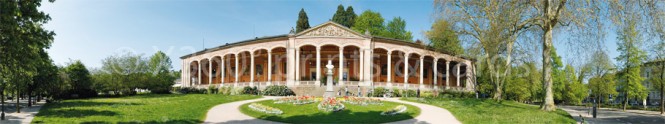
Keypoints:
pixel 340 16
pixel 602 78
pixel 396 29
pixel 350 16
pixel 602 87
pixel 79 78
pixel 656 29
pixel 490 27
pixel 558 76
pixel 303 22
pixel 369 21
pixel 631 57
pixel 22 36
pixel 443 38
pixel 548 15
pixel 576 91
pixel 518 89
pixel 161 78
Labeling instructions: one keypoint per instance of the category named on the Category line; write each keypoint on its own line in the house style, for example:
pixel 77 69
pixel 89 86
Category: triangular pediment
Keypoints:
pixel 329 29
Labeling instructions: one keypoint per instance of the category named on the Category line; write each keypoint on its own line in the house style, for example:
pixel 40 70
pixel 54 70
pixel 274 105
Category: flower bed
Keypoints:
pixel 264 109
pixel 361 101
pixel 296 100
pixel 394 111
pixel 330 105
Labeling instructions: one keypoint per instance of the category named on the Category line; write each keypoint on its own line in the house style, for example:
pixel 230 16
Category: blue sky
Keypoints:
pixel 91 30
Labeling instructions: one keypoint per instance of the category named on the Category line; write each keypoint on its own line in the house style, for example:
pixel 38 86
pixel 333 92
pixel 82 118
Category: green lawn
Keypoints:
pixel 149 108
pixel 478 111
pixel 309 113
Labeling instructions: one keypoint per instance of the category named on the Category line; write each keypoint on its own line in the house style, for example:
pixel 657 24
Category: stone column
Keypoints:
pixel 251 69
pixel 420 79
pixel 361 65
pixel 388 71
pixel 447 74
pixel 297 66
pixel 210 71
pixel 222 71
pixel 435 73
pixel 199 73
pixel 183 74
pixel 290 63
pixel 318 66
pixel 406 70
pixel 341 65
pixel 457 75
pixel 269 67
pixel 367 67
pixel 236 70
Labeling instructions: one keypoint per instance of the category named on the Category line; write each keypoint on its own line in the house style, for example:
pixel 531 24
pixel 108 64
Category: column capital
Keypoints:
pixel 421 58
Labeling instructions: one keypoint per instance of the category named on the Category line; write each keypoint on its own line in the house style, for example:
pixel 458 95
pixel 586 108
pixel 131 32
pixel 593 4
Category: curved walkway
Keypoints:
pixel 229 113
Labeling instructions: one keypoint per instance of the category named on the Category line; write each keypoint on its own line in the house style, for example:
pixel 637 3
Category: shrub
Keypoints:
pixel 278 91
pixel 249 90
pixel 410 93
pixel 378 92
pixel 397 93
pixel 187 90
pixel 237 90
pixel 427 94
pixel 224 90
pixel 456 94
pixel 212 89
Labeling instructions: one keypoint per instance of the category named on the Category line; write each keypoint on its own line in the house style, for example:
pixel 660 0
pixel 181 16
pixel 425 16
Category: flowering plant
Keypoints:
pixel 330 105
pixel 394 111
pixel 361 101
pixel 296 100
pixel 265 109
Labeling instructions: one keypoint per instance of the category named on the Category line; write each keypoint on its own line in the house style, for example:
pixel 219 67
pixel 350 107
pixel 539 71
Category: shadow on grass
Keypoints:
pixel 77 103
pixel 344 116
pixel 186 121
pixel 76 113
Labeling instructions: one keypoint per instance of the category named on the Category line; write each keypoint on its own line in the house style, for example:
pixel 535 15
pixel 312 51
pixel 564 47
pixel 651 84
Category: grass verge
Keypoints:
pixel 149 108
pixel 485 111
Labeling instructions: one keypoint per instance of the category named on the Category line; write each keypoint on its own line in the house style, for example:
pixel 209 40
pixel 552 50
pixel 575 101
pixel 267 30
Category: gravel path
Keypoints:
pixel 229 113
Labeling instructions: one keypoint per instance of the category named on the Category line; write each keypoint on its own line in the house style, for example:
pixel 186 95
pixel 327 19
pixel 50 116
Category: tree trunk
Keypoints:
pixel 662 88
pixel 548 103
pixel 497 92
pixel 29 97
pixel 18 99
pixel 625 103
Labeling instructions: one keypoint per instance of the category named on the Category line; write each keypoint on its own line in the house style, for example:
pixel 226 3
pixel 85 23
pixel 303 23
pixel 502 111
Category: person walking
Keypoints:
pixel 359 94
pixel 346 90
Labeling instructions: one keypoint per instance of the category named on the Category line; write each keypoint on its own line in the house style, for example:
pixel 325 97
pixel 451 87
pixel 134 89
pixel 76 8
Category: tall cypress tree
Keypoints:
pixel 350 17
pixel 303 22
pixel 340 16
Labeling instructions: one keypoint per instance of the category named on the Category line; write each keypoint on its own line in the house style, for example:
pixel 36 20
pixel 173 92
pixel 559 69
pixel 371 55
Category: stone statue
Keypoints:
pixel 329 88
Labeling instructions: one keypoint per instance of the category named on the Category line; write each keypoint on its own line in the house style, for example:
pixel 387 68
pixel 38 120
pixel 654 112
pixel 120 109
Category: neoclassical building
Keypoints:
pixel 299 59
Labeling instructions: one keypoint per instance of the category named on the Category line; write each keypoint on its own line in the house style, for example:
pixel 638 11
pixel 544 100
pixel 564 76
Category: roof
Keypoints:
pixel 391 40
pixel 227 45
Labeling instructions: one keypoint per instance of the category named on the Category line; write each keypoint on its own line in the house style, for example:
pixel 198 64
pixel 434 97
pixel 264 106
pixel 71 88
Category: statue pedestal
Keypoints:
pixel 329 81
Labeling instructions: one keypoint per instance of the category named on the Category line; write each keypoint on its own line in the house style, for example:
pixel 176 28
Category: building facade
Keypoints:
pixel 650 70
pixel 299 59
